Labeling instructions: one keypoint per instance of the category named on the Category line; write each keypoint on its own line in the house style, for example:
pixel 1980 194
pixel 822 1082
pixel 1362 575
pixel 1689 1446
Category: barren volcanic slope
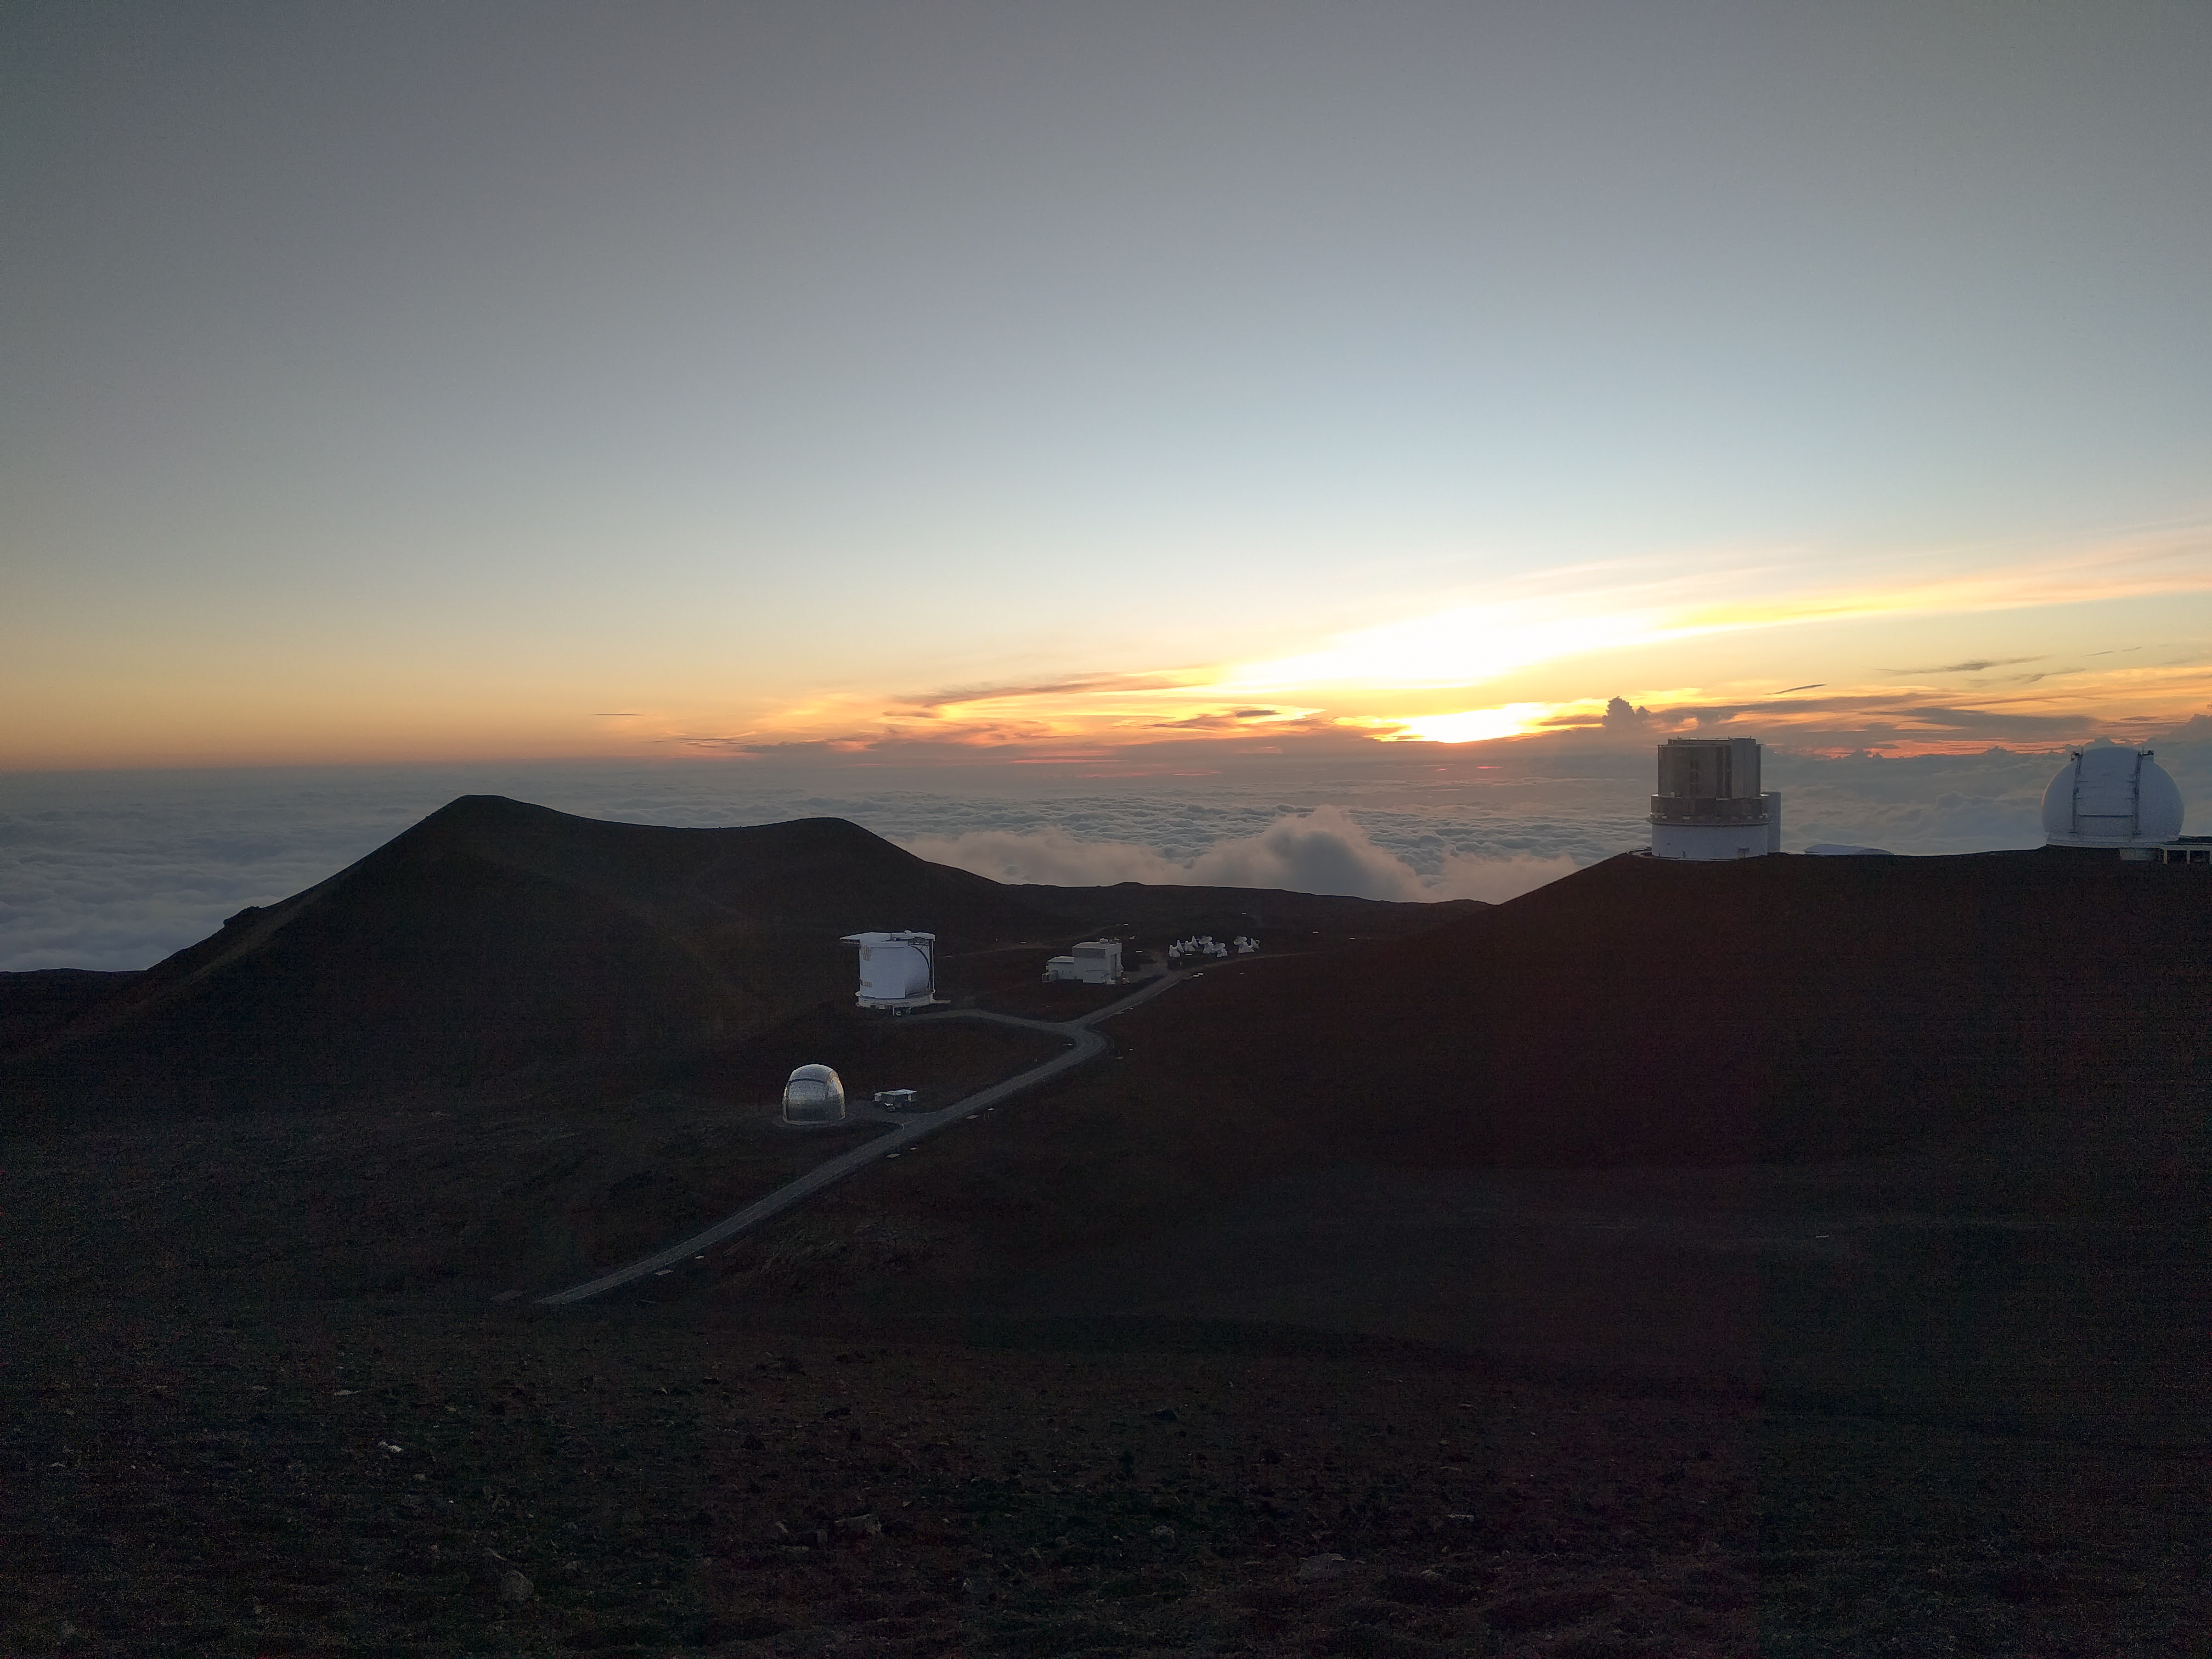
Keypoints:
pixel 1782 1007
pixel 494 935
pixel 34 1003
pixel 1945 1395
pixel 1777 1011
pixel 1162 913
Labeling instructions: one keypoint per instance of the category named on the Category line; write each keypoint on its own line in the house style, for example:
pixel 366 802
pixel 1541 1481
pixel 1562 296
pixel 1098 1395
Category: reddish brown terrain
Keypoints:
pixel 1802 1256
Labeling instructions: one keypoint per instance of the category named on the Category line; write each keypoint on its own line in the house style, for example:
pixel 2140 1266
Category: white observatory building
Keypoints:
pixel 1095 962
pixel 2122 798
pixel 1709 805
pixel 898 971
pixel 815 1095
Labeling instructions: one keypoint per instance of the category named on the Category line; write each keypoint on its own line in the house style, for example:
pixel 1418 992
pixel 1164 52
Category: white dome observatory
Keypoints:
pixel 2118 798
pixel 898 971
pixel 815 1095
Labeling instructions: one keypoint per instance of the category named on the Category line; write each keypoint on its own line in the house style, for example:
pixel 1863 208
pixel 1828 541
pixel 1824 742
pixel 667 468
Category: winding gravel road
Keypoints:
pixel 1084 1043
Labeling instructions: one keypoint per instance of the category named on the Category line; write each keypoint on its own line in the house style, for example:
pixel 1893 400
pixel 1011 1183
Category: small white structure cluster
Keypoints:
pixel 1095 961
pixel 1203 945
pixel 894 1100
pixel 815 1095
pixel 1709 805
pixel 898 971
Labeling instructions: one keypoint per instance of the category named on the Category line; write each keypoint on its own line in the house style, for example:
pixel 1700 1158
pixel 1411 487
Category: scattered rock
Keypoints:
pixel 1422 1589
pixel 46 1635
pixel 1166 1415
pixel 1315 1567
pixel 1163 1535
pixel 1537 1612
pixel 861 1526
pixel 2039 1587
pixel 513 1587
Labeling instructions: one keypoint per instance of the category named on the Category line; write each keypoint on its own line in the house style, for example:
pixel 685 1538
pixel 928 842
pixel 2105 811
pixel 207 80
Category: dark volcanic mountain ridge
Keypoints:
pixel 1783 1007
pixel 495 934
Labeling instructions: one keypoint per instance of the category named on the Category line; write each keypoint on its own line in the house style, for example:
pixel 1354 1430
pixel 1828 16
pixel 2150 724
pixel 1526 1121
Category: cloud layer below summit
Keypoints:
pixel 116 870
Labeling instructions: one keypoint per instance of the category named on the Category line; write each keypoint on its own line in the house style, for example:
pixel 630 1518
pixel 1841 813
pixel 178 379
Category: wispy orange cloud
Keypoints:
pixel 1393 682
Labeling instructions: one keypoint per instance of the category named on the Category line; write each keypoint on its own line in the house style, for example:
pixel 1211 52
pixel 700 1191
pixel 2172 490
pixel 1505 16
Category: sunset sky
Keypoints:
pixel 1077 386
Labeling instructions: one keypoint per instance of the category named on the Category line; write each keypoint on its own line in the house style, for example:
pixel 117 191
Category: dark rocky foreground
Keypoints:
pixel 1798 1257
pixel 396 1478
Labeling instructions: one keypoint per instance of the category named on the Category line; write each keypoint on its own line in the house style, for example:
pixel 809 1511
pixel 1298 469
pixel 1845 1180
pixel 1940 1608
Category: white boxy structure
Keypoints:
pixel 1095 962
pixel 815 1095
pixel 1709 805
pixel 2122 798
pixel 898 971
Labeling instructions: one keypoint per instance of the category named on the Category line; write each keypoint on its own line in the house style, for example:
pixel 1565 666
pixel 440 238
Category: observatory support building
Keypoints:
pixel 1709 805
pixel 1095 962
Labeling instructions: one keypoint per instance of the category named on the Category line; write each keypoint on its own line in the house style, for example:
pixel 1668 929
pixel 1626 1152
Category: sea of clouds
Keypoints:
pixel 117 870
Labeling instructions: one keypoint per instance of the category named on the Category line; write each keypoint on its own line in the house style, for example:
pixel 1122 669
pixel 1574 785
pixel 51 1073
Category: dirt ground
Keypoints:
pixel 1234 1342
pixel 400 1478
pixel 469 1194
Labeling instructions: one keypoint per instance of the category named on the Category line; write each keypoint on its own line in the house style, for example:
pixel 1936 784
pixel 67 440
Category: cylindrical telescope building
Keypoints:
pixel 898 971
pixel 1709 805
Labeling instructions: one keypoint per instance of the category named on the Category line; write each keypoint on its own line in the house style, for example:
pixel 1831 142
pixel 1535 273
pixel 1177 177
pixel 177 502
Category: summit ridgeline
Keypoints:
pixel 495 936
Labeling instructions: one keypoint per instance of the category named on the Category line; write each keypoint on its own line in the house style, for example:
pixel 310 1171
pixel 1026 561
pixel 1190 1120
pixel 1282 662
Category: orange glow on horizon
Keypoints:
pixel 1538 654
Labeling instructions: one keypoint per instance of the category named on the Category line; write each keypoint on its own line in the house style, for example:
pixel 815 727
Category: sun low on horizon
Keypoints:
pixel 989 383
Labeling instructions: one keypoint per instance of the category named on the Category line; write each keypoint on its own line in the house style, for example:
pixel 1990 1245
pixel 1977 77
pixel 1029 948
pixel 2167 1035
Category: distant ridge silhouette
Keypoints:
pixel 1780 1007
pixel 495 934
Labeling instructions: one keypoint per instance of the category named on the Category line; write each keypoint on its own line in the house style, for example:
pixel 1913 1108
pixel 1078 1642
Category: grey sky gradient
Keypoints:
pixel 534 351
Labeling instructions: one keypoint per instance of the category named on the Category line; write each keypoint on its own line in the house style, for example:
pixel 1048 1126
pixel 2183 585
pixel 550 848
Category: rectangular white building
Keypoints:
pixel 1095 961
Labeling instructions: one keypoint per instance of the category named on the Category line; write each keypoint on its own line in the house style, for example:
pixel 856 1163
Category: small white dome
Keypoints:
pixel 2111 798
